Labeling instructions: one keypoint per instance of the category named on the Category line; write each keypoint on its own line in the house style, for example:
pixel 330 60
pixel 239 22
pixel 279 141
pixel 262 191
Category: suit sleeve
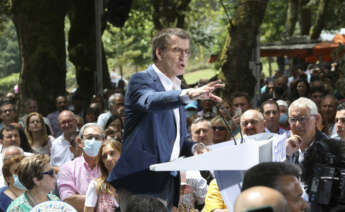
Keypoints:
pixel 145 97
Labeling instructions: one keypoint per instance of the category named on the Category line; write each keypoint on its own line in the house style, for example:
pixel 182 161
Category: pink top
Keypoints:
pixel 75 176
pixel 106 203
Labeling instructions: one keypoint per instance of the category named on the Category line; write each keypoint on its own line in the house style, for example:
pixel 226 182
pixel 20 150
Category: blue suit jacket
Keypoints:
pixel 149 135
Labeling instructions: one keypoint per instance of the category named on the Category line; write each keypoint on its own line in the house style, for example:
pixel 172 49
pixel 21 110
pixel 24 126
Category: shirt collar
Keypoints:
pixel 168 84
pixel 84 162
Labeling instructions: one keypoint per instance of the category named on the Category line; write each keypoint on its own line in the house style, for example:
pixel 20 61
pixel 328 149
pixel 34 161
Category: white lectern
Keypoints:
pixel 229 161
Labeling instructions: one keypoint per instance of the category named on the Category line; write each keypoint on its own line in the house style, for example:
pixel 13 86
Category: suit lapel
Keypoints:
pixel 157 83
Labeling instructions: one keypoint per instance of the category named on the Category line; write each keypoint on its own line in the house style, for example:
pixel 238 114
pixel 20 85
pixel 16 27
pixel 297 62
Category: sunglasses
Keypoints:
pixel 50 173
pixel 219 128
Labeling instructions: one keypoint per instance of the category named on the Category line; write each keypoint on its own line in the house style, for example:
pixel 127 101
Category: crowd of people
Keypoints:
pixel 70 154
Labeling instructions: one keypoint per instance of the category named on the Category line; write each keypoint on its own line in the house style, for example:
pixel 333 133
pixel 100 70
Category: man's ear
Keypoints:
pixel 71 148
pixel 317 118
pixel 159 53
pixel 79 142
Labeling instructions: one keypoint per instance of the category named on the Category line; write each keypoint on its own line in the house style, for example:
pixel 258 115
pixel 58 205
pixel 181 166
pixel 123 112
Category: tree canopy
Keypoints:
pixel 35 42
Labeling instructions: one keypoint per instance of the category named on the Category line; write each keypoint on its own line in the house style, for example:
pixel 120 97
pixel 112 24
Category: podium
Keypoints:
pixel 229 161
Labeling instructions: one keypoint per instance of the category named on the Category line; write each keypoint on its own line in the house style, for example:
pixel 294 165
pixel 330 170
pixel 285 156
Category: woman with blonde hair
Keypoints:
pixel 37 135
pixel 101 196
pixel 220 130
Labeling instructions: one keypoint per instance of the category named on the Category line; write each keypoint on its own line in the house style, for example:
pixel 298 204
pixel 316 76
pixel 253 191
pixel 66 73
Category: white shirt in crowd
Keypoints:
pixel 60 152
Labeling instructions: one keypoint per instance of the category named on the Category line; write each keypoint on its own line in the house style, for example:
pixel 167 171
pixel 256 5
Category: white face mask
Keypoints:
pixel 92 146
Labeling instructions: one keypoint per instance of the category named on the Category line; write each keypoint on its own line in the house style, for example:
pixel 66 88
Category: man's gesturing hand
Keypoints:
pixel 205 92
pixel 293 144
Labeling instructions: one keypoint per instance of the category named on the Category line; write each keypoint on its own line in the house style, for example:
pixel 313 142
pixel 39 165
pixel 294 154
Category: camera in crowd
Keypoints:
pixel 328 183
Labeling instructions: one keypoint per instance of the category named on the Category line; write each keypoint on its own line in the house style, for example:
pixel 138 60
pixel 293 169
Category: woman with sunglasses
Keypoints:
pixel 38 176
pixel 14 188
pixel 37 134
pixel 221 134
pixel 101 196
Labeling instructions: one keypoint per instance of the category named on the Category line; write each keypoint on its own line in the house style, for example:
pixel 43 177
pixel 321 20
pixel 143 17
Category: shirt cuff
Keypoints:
pixel 184 97
pixel 196 145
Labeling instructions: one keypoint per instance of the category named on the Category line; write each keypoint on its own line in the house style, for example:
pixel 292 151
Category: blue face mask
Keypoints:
pixel 283 118
pixel 17 183
pixel 91 147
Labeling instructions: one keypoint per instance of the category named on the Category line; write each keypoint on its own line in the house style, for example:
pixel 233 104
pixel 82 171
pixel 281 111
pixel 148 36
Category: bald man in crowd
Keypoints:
pixel 252 122
pixel 261 197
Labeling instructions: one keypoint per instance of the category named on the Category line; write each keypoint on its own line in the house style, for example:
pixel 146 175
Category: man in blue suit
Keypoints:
pixel 155 122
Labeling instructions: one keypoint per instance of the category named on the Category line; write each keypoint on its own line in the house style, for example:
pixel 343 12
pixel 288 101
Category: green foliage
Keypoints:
pixel 273 24
pixel 7 83
pixel 9 57
pixel 130 45
pixel 335 15
pixel 207 27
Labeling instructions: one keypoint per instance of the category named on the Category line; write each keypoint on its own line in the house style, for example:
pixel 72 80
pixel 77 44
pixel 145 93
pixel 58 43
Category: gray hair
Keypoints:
pixel 112 98
pixel 87 125
pixel 304 102
pixel 201 119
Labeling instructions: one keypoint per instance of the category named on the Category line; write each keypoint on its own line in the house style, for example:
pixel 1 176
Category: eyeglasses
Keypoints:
pixel 180 51
pixel 301 120
pixel 218 128
pixel 50 173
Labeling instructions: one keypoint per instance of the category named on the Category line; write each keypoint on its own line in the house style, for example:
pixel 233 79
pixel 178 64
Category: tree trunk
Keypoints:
pixel 291 19
pixel 320 20
pixel 243 31
pixel 305 19
pixel 169 13
pixel 82 47
pixel 40 30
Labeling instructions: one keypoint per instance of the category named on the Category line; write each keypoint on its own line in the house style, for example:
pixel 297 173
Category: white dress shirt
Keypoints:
pixel 169 85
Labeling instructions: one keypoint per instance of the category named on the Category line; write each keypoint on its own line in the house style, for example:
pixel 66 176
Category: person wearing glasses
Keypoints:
pixel 220 131
pixel 39 178
pixel 303 119
pixel 75 176
pixel 309 147
pixel 155 125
